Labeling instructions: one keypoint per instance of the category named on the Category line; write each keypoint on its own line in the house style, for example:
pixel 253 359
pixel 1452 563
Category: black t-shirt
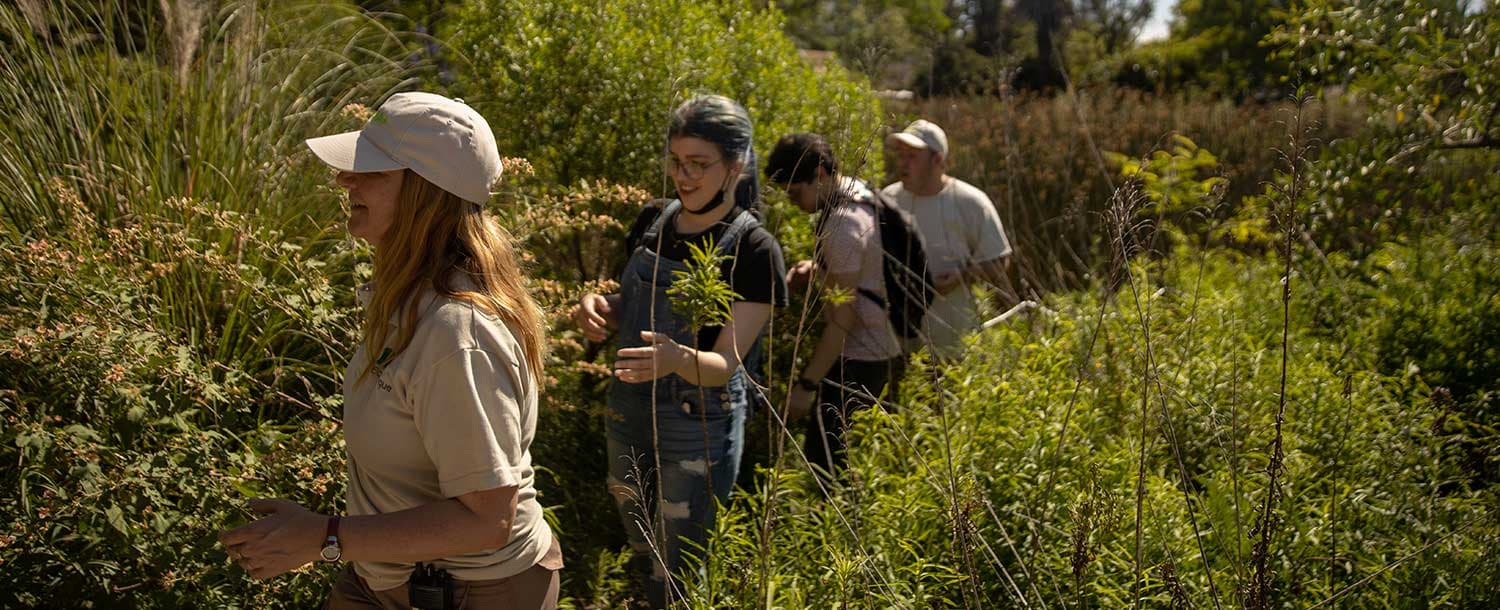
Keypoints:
pixel 756 271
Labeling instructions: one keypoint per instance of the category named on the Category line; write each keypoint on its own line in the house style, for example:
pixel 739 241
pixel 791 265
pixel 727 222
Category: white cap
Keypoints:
pixel 922 134
pixel 442 140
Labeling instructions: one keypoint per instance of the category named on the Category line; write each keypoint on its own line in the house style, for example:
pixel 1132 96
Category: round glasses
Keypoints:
pixel 692 168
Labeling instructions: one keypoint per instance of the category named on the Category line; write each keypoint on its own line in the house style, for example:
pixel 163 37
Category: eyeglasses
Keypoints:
pixel 693 168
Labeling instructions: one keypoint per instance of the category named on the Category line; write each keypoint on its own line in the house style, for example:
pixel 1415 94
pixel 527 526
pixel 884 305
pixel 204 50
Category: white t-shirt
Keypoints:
pixel 850 243
pixel 453 413
pixel 961 227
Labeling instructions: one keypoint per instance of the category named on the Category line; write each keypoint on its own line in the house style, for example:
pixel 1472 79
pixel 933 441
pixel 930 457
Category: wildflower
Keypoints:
pixel 358 112
pixel 518 166
pixel 592 367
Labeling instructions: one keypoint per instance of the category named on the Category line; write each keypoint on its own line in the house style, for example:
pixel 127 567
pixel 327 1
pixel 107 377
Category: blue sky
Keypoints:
pixel 1157 26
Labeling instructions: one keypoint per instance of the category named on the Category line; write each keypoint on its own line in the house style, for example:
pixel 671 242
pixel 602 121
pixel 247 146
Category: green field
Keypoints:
pixel 1264 368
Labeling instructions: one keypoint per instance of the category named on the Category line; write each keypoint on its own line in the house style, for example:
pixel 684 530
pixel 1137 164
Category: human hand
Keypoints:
pixel 289 537
pixel 594 316
pixel 800 273
pixel 661 357
pixel 799 403
pixel 946 281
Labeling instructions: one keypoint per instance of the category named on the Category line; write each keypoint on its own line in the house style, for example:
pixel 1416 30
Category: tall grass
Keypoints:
pixel 92 106
pixel 1039 159
pixel 1209 394
pixel 889 537
pixel 176 290
pixel 176 299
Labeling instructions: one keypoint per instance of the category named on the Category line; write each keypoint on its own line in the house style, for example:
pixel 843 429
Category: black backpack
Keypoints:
pixel 909 286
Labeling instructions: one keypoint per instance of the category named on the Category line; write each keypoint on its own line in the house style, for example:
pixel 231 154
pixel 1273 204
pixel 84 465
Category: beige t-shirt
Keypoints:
pixel 454 413
pixel 850 243
pixel 961 227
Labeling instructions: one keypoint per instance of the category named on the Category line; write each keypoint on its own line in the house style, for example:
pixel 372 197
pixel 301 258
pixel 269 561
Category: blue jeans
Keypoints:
pixel 700 450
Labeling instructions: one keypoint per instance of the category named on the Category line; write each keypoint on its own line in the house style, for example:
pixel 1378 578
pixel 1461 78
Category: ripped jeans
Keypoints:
pixel 700 437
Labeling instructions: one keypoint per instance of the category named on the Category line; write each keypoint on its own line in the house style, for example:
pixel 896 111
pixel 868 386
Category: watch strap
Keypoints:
pixel 332 550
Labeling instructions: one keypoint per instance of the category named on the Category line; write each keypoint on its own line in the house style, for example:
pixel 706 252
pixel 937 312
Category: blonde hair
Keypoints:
pixel 434 235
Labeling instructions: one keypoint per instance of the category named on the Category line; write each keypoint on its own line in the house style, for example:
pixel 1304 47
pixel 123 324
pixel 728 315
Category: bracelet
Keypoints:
pixel 808 384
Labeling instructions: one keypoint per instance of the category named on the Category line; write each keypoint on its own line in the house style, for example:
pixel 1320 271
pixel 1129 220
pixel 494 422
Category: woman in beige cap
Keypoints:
pixel 440 399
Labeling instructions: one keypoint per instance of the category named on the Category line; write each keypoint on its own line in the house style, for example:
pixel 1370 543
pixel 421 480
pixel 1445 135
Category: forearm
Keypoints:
pixel 715 367
pixel 707 368
pixel 423 533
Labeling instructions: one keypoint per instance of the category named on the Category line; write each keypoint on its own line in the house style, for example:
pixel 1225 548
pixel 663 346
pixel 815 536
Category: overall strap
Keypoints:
pixel 653 233
pixel 743 224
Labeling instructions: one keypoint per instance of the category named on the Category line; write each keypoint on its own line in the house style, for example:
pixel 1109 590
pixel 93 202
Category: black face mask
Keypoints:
pixel 713 204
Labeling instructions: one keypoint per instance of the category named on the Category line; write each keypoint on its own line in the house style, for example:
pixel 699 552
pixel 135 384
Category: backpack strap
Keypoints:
pixel 875 201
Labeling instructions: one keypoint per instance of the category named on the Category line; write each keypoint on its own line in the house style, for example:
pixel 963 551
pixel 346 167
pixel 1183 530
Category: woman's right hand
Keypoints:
pixel 595 316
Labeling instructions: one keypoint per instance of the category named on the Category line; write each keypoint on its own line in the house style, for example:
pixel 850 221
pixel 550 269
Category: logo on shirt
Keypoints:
pixel 380 370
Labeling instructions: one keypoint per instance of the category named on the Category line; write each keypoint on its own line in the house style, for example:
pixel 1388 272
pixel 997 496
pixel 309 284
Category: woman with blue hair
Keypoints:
pixel 678 400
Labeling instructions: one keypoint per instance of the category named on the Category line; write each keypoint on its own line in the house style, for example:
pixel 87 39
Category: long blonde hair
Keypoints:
pixel 434 235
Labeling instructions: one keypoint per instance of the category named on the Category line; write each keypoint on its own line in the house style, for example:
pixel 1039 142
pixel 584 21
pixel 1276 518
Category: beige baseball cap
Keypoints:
pixel 441 139
pixel 922 134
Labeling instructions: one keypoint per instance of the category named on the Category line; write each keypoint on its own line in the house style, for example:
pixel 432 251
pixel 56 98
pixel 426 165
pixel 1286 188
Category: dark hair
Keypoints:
pixel 797 157
pixel 723 122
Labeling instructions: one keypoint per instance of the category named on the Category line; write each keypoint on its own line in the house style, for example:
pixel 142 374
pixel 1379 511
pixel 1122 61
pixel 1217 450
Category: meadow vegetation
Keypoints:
pixel 1262 373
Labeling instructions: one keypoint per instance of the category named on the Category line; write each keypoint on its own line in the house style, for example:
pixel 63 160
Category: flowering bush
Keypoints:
pixel 176 306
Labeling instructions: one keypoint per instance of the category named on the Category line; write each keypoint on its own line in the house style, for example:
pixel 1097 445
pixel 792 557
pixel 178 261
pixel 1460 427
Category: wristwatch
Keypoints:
pixel 807 384
pixel 331 550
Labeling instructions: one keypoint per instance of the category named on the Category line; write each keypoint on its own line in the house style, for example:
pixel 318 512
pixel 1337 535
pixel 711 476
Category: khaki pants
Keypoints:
pixel 534 589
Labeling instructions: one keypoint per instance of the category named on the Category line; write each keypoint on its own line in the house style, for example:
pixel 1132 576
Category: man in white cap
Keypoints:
pixel 965 241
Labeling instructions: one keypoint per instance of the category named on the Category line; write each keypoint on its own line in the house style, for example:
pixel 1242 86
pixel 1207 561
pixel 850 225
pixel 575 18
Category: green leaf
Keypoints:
pixel 116 519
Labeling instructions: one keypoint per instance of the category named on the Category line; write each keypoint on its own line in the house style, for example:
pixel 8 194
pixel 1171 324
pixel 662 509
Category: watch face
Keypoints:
pixel 331 552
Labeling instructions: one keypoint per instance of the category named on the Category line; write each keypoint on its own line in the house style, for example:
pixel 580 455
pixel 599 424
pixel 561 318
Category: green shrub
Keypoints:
pixel 176 304
pixel 582 88
pixel 1017 476
pixel 1428 69
pixel 1425 313
pixel 135 440
pixel 175 290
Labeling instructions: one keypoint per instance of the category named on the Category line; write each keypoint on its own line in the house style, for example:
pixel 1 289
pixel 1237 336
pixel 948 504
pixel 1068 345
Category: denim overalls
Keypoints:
pixel 699 431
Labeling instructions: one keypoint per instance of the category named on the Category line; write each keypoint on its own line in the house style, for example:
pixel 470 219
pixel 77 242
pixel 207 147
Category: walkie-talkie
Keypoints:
pixel 431 588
